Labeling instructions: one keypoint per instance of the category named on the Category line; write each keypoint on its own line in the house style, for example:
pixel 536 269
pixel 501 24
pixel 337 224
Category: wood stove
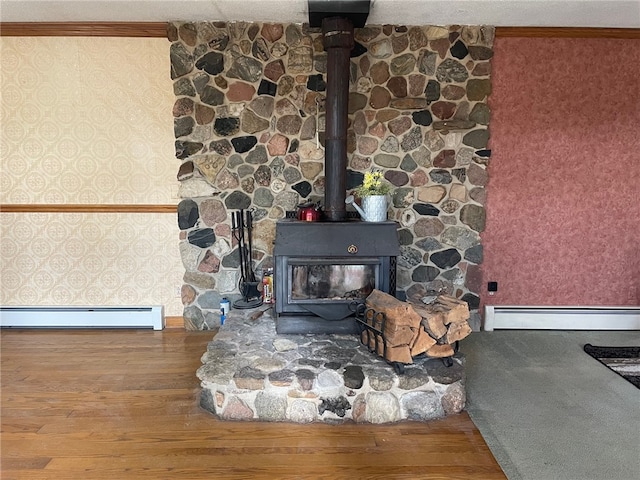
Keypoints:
pixel 322 269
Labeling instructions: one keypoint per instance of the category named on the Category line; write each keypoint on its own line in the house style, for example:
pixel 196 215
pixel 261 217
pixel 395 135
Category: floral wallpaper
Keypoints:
pixel 563 209
pixel 87 121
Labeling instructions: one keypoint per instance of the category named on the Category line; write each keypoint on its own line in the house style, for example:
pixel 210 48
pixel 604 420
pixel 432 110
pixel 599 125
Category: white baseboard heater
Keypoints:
pixel 82 317
pixel 561 318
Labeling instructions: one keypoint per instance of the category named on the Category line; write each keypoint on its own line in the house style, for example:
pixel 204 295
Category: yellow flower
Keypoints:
pixel 373 184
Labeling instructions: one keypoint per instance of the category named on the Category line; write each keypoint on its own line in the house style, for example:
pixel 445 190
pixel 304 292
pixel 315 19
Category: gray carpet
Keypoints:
pixel 549 411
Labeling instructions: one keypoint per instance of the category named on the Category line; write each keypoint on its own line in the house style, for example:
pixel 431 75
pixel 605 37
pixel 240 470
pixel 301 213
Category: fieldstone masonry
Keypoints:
pixel 249 126
pixel 251 373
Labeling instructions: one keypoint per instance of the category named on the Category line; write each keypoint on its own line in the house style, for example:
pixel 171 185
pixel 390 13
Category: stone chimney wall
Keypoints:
pixel 249 127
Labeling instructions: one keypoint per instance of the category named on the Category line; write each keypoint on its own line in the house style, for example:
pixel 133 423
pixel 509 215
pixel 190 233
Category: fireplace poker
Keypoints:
pixel 246 262
pixel 243 265
pixel 251 274
pixel 238 235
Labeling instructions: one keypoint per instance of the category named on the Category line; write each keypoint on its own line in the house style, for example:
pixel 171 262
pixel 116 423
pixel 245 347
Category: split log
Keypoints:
pixel 400 353
pixel 394 334
pixel 422 343
pixel 432 321
pixel 402 336
pixel 392 353
pixel 454 310
pixel 397 312
pixel 440 351
pixel 457 331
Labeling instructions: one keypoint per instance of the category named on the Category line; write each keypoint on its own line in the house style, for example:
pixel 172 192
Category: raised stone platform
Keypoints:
pixel 250 372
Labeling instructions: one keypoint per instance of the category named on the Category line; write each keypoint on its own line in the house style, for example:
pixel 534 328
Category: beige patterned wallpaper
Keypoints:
pixel 87 121
pixel 90 259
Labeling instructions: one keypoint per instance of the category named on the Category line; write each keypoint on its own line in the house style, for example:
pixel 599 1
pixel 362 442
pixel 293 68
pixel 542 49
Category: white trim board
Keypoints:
pixel 83 317
pixel 561 318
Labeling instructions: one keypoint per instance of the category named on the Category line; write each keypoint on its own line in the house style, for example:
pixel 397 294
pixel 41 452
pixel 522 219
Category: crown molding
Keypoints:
pixel 159 30
pixel 85 29
pixel 567 32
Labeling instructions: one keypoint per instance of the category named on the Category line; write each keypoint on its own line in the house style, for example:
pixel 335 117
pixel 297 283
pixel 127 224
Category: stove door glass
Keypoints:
pixel 331 281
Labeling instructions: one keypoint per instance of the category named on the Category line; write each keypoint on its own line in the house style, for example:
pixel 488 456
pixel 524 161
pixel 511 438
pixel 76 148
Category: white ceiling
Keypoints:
pixel 544 13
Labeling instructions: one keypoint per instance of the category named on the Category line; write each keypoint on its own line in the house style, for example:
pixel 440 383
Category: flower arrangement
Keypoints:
pixel 373 184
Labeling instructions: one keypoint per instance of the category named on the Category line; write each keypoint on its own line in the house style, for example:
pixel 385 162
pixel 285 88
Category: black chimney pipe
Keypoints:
pixel 337 38
pixel 355 10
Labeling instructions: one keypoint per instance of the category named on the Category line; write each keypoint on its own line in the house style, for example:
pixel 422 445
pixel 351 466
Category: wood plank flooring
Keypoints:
pixel 122 404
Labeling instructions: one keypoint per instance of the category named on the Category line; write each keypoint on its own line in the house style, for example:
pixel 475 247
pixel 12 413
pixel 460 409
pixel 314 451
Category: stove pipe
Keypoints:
pixel 337 38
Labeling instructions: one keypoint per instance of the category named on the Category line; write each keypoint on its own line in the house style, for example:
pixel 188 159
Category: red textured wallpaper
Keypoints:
pixel 563 207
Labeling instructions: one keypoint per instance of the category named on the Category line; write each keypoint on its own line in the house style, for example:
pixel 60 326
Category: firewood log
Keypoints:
pixel 457 331
pixel 454 310
pixel 422 344
pixel 402 336
pixel 439 351
pixel 433 318
pixel 397 312
pixel 400 354
pixel 433 323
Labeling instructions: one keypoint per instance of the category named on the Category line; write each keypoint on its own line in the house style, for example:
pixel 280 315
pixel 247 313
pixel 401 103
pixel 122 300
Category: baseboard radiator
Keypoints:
pixel 561 318
pixel 83 317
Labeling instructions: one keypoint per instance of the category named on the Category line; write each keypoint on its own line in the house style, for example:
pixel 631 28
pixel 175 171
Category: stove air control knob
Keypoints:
pixel 352 249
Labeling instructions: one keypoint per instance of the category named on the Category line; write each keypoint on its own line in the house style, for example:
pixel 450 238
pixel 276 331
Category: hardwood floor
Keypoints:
pixel 120 404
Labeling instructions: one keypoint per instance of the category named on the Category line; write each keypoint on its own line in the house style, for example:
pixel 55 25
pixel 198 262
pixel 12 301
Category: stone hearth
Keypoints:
pixel 250 372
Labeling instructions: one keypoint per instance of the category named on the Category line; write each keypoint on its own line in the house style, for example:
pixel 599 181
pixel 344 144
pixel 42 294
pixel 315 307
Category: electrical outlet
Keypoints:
pixel 492 287
pixel 178 291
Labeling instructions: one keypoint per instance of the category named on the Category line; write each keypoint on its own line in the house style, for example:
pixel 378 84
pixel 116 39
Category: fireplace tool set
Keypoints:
pixel 242 221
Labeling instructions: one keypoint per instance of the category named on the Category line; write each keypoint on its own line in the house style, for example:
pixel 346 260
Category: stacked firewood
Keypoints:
pixel 412 328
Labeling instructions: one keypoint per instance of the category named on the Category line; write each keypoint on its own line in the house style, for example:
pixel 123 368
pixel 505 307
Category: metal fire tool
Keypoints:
pixel 248 285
